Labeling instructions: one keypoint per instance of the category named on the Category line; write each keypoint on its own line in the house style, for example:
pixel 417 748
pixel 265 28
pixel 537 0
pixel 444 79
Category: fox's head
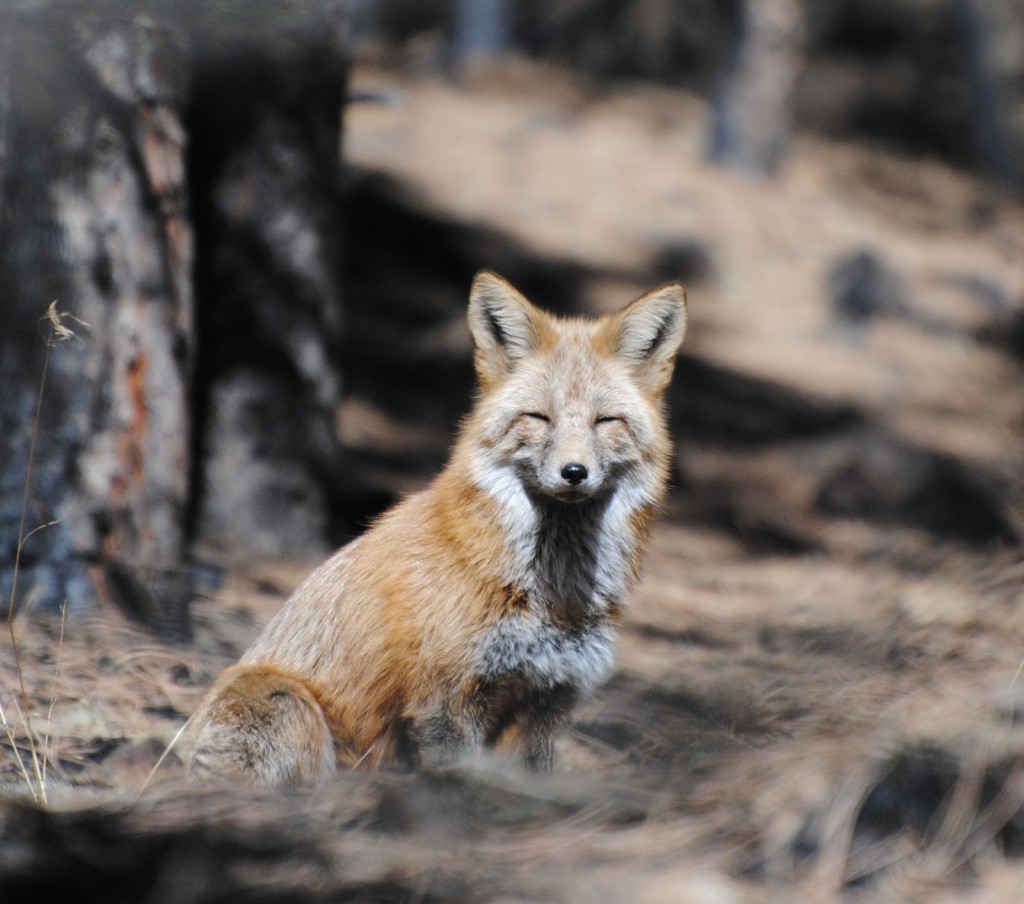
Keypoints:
pixel 572 408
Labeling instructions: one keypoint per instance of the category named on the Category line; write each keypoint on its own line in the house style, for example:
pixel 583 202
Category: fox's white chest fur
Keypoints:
pixel 572 563
pixel 545 655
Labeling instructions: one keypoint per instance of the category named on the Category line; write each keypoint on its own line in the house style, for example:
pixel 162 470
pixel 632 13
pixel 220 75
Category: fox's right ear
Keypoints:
pixel 504 325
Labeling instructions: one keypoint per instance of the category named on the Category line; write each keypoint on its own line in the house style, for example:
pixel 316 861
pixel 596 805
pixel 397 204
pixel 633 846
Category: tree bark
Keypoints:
pixel 265 160
pixel 95 214
pixel 126 129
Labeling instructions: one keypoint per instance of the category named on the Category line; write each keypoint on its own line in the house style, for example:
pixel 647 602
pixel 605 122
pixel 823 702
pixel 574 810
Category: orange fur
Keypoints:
pixel 477 611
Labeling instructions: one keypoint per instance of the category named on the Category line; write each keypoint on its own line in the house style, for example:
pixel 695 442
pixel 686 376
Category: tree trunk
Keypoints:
pixel 481 29
pixel 991 33
pixel 117 126
pixel 265 163
pixel 752 111
pixel 95 215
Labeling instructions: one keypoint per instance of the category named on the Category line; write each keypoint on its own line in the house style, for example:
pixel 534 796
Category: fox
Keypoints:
pixel 477 613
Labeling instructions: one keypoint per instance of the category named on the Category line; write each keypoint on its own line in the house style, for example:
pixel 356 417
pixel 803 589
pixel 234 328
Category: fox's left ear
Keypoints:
pixel 648 333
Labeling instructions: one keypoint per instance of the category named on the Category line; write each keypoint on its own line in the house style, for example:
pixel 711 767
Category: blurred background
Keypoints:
pixel 268 214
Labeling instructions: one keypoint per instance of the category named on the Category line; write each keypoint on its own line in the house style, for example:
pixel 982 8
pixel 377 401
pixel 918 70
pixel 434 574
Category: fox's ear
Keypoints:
pixel 505 326
pixel 648 333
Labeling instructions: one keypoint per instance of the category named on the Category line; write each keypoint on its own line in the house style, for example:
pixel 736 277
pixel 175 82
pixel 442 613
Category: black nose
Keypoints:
pixel 574 473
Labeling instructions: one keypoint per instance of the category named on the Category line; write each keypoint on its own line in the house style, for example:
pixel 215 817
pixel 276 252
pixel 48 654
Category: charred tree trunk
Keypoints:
pixel 116 127
pixel 95 214
pixel 265 164
pixel 753 108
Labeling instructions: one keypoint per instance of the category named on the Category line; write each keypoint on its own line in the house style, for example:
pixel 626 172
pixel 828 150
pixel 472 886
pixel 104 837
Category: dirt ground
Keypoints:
pixel 817 694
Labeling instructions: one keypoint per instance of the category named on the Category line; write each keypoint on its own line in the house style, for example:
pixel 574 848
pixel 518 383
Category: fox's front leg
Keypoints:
pixel 541 718
pixel 440 737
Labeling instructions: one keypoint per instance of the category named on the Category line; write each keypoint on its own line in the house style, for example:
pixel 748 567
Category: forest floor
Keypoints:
pixel 817 694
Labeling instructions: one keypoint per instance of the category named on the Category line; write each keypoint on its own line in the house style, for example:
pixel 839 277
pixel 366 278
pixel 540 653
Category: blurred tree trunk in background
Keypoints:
pixel 480 28
pixel 120 121
pixel 991 33
pixel 751 114
pixel 264 159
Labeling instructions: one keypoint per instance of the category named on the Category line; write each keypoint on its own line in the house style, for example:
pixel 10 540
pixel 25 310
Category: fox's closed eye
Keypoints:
pixel 536 415
pixel 607 419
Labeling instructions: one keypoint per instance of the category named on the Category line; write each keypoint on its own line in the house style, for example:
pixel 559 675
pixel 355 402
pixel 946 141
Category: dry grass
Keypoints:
pixel 29 744
pixel 774 727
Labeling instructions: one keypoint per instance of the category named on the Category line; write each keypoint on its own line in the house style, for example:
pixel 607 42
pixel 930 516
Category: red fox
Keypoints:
pixel 475 613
